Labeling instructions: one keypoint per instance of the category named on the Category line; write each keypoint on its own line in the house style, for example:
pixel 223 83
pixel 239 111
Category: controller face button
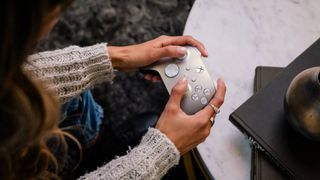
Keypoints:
pixel 187 69
pixel 206 91
pixel 199 69
pixel 193 79
pixel 198 88
pixel 204 100
pixel 195 97
pixel 171 70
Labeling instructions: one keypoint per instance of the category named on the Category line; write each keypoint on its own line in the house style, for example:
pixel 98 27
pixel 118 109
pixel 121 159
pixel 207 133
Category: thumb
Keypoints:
pixel 170 51
pixel 178 91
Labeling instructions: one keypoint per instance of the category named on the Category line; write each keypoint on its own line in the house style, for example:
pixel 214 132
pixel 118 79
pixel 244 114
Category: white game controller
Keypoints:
pixel 201 88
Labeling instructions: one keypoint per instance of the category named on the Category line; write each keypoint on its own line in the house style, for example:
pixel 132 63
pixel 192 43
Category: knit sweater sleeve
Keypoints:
pixel 71 70
pixel 151 159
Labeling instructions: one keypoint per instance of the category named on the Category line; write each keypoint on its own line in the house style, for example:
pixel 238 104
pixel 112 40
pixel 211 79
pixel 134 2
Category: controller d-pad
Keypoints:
pixel 204 100
pixel 171 70
pixel 200 69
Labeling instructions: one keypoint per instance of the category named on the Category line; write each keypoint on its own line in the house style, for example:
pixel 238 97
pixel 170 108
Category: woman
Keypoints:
pixel 34 87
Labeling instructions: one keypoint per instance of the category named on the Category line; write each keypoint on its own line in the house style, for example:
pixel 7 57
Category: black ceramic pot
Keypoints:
pixel 302 103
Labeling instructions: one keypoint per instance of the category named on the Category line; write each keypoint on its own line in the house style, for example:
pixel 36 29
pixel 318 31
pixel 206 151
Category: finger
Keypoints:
pixel 185 40
pixel 148 77
pixel 178 92
pixel 156 79
pixel 169 51
pixel 217 101
pixel 220 94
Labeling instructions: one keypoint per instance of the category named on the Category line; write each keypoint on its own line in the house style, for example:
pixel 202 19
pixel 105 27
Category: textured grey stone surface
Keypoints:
pixel 120 22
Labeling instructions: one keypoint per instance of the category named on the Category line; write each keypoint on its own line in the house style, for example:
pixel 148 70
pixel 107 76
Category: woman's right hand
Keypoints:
pixel 187 131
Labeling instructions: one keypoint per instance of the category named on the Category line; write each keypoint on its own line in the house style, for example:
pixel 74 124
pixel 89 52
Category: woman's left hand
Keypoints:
pixel 132 57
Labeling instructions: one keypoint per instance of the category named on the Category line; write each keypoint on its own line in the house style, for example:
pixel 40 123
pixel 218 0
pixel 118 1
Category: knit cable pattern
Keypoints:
pixel 71 70
pixel 151 159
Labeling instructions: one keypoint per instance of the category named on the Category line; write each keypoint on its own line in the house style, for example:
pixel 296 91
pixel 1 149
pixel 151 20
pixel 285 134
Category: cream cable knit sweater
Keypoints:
pixel 69 72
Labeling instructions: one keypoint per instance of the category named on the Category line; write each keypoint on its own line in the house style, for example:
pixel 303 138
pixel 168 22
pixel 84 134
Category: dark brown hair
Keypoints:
pixel 28 114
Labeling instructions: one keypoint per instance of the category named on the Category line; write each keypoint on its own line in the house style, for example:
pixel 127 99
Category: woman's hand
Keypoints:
pixel 136 56
pixel 186 131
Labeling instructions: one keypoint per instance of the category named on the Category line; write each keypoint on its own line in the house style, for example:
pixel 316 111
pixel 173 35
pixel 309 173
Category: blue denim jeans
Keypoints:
pixel 82 117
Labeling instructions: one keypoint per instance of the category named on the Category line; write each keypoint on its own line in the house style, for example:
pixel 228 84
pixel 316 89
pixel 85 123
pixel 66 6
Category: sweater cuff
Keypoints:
pixel 151 159
pixel 154 156
pixel 161 150
pixel 71 70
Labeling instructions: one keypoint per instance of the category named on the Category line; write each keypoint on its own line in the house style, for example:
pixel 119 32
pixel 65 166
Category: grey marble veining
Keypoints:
pixel 240 35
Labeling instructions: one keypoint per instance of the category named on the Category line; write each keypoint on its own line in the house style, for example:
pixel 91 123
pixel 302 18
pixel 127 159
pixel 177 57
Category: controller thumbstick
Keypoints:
pixel 184 57
pixel 171 70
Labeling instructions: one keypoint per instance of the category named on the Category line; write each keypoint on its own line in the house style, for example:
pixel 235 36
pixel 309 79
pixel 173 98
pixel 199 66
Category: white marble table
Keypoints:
pixel 240 35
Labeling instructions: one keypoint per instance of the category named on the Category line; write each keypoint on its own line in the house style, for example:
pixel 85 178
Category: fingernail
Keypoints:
pixel 183 80
pixel 182 50
pixel 206 52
